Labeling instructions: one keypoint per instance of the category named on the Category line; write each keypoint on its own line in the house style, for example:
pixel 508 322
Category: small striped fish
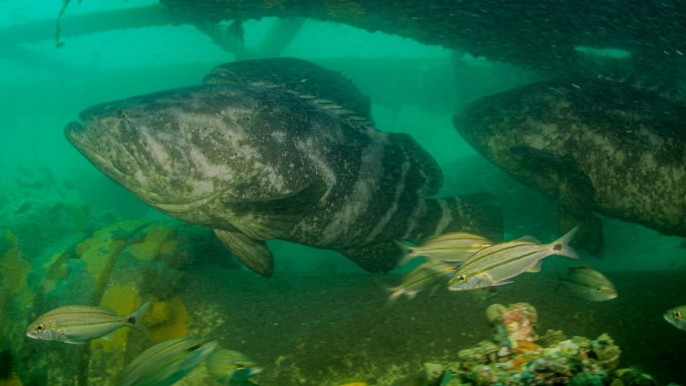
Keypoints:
pixel 455 247
pixel 493 265
pixel 676 317
pixel 78 324
pixel 431 273
pixel 165 363
pixel 228 366
pixel 589 284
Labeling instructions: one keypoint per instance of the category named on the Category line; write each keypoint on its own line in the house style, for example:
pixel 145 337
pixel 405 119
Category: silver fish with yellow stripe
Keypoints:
pixel 228 366
pixel 78 324
pixel 165 363
pixel 494 265
pixel 431 273
pixel 676 317
pixel 589 284
pixel 453 247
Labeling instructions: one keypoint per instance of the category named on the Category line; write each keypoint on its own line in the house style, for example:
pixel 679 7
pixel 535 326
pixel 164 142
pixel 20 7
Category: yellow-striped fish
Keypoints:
pixel 493 265
pixel 78 324
pixel 676 317
pixel 453 247
pixel 431 273
pixel 228 366
pixel 589 284
pixel 165 363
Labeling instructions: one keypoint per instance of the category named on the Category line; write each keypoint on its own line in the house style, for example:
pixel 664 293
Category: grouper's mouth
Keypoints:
pixel 78 136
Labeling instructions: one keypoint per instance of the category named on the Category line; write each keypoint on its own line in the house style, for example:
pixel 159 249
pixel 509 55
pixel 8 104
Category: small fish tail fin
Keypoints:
pixel 409 253
pixel 135 319
pixel 393 298
pixel 561 246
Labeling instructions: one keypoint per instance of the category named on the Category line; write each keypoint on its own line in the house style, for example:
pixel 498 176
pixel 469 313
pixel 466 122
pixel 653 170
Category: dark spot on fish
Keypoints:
pixel 557 247
pixel 131 320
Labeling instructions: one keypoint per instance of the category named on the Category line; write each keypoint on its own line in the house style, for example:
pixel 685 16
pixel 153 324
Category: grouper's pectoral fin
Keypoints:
pixel 254 254
pixel 575 207
pixel 270 217
pixel 381 257
pixel 575 191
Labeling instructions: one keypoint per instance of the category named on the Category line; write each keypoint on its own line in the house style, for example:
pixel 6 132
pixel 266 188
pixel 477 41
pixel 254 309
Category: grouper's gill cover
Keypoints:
pixel 260 163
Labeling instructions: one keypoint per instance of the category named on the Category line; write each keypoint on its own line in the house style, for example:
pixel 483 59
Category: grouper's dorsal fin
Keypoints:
pixel 254 254
pixel 266 218
pixel 311 82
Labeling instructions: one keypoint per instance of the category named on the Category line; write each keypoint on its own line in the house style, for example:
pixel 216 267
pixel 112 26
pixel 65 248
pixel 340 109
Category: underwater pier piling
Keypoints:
pixel 563 35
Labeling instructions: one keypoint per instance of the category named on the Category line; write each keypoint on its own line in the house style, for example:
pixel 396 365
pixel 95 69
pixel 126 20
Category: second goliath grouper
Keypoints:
pixel 258 162
pixel 597 146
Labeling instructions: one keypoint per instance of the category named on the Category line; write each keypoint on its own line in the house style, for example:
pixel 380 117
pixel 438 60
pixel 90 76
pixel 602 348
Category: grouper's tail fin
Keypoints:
pixel 478 213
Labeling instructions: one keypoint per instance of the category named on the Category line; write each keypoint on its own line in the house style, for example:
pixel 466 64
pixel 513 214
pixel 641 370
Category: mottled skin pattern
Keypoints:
pixel 257 163
pixel 598 146
pixel 304 78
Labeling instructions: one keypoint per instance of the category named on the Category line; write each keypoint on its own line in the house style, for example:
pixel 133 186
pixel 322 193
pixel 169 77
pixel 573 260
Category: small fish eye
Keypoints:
pixel 121 112
pixel 40 328
pixel 462 278
pixel 677 315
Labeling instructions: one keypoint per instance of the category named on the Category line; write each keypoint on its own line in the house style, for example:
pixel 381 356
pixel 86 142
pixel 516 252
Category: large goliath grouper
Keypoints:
pixel 260 162
pixel 598 146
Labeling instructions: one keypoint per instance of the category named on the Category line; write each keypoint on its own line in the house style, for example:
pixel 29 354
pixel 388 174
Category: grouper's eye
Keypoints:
pixel 121 112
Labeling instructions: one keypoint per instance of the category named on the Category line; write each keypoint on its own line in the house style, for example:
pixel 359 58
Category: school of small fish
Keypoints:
pixel 462 261
pixel 162 364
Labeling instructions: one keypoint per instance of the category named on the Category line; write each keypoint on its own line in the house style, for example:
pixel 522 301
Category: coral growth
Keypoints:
pixel 515 358
pixel 606 352
pixel 514 326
